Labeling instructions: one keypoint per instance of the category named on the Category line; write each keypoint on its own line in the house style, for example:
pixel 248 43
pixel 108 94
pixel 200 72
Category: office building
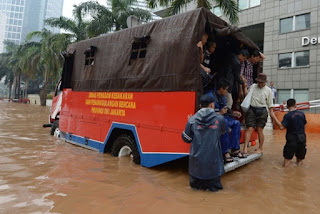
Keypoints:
pixel 3 20
pixel 25 16
pixel 288 33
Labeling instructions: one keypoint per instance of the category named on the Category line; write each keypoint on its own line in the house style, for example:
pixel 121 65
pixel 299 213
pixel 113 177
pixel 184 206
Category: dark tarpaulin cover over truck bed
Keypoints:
pixel 171 62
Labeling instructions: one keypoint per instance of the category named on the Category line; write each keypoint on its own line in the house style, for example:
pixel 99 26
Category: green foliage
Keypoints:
pixel 228 7
pixel 41 61
pixel 101 21
pixel 49 96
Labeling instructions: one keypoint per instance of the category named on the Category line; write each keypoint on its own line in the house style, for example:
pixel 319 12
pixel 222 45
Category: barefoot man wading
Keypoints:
pixel 257 114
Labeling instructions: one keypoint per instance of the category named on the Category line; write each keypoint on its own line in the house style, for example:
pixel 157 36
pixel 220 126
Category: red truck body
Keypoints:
pixel 131 92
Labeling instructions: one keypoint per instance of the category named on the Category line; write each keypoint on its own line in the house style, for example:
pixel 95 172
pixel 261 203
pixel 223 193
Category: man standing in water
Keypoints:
pixel 295 122
pixel 257 115
pixel 203 131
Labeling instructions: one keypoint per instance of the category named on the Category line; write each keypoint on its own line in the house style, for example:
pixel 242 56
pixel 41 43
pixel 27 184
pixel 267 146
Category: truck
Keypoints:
pixel 130 92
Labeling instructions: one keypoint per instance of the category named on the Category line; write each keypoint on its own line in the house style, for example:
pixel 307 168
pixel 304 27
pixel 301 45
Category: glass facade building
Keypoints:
pixel 25 16
pixel 3 21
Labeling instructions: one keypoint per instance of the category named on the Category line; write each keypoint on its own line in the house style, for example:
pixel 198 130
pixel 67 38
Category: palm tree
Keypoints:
pixel 6 71
pixel 101 20
pixel 104 20
pixel 9 63
pixel 30 56
pixel 122 9
pixel 228 7
pixel 45 56
pixel 77 26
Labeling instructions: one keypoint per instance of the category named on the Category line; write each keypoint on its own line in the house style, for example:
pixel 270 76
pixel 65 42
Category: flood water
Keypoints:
pixel 42 174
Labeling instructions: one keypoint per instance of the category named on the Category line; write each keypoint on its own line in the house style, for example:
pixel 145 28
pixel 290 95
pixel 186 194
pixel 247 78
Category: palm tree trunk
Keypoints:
pixel 14 87
pixel 10 88
pixel 117 27
pixel 43 94
pixel 19 84
pixel 26 89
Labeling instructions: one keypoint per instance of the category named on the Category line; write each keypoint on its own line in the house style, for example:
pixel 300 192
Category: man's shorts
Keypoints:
pixel 296 145
pixel 256 117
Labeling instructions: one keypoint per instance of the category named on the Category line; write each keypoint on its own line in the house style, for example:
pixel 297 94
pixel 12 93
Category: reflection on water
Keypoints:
pixel 42 174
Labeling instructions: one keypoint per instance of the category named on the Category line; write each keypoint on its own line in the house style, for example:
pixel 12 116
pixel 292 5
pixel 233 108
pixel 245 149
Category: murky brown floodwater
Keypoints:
pixel 42 174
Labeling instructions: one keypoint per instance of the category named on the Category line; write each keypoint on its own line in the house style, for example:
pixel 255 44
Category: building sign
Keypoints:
pixel 306 40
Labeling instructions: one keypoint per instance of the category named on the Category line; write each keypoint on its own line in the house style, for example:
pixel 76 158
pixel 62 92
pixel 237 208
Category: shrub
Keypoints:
pixel 49 96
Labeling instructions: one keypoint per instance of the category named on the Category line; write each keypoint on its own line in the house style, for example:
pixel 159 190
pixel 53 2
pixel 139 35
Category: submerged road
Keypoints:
pixel 42 174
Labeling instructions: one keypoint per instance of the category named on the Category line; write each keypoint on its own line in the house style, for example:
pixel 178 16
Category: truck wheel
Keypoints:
pixel 125 145
pixel 55 129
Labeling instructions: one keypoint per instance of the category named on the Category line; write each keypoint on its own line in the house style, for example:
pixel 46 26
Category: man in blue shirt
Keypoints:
pixel 230 142
pixel 295 122
pixel 203 131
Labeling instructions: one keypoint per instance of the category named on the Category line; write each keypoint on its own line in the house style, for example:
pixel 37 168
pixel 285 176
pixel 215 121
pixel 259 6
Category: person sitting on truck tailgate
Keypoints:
pixel 228 141
pixel 203 131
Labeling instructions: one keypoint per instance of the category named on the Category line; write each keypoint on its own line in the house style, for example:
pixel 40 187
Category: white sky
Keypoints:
pixel 68 6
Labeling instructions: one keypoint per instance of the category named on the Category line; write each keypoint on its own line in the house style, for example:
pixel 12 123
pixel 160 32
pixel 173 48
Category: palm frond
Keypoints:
pixel 63 23
pixel 176 6
pixel 154 3
pixel 230 9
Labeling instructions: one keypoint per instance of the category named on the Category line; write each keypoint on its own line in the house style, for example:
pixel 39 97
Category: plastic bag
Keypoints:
pixel 245 105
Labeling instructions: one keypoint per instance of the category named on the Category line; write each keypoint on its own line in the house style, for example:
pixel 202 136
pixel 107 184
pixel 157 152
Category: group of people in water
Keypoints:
pixel 208 131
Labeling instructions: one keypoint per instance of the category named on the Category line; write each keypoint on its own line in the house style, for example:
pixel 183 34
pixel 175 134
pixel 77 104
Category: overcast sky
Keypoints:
pixel 68 6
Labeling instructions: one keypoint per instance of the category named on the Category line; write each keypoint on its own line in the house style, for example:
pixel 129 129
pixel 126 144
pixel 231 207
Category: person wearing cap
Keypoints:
pixel 203 131
pixel 230 142
pixel 257 115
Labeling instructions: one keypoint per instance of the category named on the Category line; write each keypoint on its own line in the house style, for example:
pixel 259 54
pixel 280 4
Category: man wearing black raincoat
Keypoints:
pixel 203 131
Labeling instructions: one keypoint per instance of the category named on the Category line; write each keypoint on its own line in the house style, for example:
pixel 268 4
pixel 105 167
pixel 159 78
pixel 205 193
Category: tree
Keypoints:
pixel 6 71
pixel 104 20
pixel 122 9
pixel 77 26
pixel 228 7
pixel 10 68
pixel 45 57
pixel 101 19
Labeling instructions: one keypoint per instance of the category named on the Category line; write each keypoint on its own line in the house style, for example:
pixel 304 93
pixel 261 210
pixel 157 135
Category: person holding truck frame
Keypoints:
pixel 203 131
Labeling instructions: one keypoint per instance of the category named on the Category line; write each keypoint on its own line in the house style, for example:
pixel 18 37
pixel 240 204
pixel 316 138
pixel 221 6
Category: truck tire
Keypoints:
pixel 125 145
pixel 54 127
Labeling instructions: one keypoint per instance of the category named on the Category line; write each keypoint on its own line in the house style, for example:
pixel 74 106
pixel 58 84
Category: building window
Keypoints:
pixel 294 23
pixel 217 11
pixel 245 4
pixel 139 48
pixel 300 95
pixel 294 59
pixel 90 55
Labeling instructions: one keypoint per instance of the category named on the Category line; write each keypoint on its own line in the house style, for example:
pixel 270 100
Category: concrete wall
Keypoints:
pixel 270 13
pixel 35 100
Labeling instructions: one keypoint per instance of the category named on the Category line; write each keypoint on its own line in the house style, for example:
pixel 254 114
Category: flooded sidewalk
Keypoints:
pixel 42 174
